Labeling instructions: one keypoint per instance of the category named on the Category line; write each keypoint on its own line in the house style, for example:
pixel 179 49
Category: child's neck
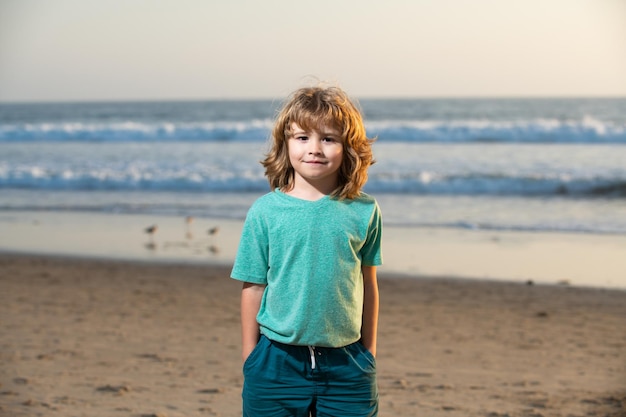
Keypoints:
pixel 310 191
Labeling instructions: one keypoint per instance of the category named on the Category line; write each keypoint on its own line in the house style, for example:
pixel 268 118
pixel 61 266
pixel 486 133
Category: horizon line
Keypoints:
pixel 357 97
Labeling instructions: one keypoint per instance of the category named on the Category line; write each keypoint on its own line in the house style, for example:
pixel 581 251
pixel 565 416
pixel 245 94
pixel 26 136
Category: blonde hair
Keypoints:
pixel 310 108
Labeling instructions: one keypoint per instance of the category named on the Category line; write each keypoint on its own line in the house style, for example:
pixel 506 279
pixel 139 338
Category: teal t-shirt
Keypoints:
pixel 309 254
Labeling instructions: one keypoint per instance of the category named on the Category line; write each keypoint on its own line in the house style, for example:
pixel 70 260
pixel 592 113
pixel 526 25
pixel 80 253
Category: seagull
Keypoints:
pixel 213 230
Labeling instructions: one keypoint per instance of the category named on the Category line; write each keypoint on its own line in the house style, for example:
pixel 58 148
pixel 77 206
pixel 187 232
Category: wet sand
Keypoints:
pixel 580 259
pixel 81 337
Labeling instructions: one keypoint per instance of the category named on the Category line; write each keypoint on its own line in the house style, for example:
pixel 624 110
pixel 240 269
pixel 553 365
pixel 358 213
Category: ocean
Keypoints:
pixel 531 165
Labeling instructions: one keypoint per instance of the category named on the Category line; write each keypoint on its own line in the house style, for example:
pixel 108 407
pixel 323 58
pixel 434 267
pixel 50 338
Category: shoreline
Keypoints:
pixel 580 260
pixel 133 338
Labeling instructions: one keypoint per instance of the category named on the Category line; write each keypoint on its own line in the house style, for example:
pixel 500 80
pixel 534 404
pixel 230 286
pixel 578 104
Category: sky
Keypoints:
pixel 89 50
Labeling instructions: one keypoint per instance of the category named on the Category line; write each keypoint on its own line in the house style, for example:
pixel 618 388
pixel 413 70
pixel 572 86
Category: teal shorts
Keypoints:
pixel 301 381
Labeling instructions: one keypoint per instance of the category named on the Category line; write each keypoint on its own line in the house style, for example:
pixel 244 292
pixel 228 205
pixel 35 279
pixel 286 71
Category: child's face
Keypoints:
pixel 316 155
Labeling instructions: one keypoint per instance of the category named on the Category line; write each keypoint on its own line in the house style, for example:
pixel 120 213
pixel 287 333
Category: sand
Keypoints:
pixel 81 337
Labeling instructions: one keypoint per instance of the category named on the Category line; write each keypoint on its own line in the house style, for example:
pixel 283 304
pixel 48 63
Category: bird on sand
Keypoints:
pixel 151 230
pixel 213 231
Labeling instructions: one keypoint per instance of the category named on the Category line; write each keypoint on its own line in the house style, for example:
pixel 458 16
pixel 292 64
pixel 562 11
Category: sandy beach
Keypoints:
pixel 83 337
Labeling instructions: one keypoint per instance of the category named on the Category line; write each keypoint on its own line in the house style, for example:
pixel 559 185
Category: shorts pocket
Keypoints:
pixel 252 357
pixel 366 352
pixel 363 357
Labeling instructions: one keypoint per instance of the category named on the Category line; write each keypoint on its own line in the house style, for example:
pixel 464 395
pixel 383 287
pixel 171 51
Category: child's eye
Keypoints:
pixel 329 140
pixel 302 137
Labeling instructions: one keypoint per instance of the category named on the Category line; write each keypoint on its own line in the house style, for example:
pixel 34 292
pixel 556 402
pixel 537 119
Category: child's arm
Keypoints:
pixel 370 309
pixel 251 295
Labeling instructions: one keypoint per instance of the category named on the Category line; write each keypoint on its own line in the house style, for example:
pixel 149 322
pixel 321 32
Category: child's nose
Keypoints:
pixel 315 146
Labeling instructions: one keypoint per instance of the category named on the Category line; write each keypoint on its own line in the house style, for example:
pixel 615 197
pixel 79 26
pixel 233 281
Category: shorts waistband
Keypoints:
pixel 305 347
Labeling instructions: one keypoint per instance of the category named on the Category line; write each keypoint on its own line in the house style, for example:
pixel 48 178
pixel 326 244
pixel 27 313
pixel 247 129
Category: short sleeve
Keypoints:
pixel 251 263
pixel 371 252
